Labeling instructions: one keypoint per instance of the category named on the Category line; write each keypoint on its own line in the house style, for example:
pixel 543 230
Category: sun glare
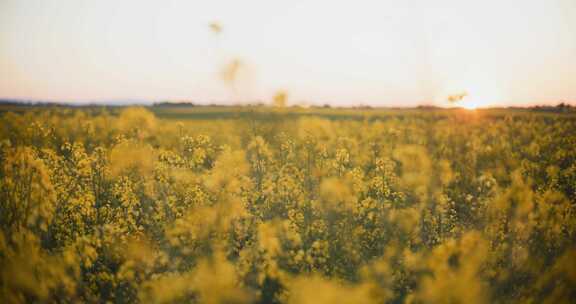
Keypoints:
pixel 469 105
pixel 474 98
pixel 473 102
pixel 472 92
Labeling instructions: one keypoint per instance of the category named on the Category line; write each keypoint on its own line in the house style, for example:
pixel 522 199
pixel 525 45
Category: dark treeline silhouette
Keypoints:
pixel 559 108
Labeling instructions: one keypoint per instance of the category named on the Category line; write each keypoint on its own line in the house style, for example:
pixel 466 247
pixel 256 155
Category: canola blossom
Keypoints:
pixel 122 206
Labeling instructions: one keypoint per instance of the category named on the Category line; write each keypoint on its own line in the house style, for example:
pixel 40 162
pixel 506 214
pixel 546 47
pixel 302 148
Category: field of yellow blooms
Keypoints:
pixel 134 205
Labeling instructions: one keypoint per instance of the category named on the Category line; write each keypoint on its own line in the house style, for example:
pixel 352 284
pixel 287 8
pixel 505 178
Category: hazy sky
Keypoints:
pixel 392 53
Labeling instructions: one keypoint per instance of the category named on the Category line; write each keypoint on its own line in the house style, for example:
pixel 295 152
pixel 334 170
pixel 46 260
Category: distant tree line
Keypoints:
pixel 561 107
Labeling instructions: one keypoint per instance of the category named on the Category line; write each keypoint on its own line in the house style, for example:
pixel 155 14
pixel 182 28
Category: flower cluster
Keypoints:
pixel 335 207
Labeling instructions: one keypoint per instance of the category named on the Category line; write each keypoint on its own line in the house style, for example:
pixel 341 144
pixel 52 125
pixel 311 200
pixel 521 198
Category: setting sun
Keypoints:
pixel 470 102
pixel 469 105
pixel 479 93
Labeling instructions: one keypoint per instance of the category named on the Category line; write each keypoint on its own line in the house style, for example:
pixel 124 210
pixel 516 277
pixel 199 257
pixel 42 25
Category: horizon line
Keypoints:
pixel 256 103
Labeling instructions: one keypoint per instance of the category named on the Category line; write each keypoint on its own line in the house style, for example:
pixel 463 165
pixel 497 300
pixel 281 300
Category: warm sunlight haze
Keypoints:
pixel 381 53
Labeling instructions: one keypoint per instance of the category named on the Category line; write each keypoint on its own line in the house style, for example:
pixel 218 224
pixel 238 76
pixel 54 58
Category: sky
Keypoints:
pixel 381 53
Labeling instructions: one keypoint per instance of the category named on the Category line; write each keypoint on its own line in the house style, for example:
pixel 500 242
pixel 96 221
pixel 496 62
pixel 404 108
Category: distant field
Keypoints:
pixel 328 113
pixel 271 113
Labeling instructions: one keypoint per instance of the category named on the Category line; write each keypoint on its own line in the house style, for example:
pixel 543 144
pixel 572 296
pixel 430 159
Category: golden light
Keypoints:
pixel 482 94
pixel 475 101
pixel 468 105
